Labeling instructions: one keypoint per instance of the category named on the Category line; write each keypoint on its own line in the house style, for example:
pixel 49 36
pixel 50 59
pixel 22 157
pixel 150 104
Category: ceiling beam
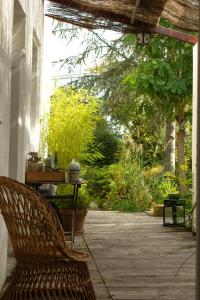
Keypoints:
pixel 137 4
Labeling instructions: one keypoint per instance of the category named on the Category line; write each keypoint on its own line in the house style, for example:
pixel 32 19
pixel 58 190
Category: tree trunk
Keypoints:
pixel 181 152
pixel 170 147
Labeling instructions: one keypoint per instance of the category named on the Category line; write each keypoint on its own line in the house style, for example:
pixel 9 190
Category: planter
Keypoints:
pixel 52 176
pixel 35 166
pixel 66 217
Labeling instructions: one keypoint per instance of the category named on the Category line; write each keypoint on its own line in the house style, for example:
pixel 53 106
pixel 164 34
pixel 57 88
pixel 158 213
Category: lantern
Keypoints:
pixel 174 211
pixel 142 38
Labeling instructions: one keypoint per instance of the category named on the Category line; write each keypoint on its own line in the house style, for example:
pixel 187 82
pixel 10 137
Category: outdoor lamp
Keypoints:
pixel 142 38
pixel 174 211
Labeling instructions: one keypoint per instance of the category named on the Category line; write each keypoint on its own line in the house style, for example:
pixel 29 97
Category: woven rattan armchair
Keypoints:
pixel 47 268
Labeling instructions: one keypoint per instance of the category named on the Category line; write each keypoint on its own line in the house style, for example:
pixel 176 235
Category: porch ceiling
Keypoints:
pixel 126 15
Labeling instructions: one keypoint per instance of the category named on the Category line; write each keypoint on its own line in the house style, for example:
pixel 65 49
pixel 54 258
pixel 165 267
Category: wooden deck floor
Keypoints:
pixel 135 257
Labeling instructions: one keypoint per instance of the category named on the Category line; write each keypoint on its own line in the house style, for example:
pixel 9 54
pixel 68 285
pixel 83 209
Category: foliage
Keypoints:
pixel 120 186
pixel 140 87
pixel 128 190
pixel 166 76
pixel 118 57
pixel 165 73
pixel 158 78
pixel 107 142
pixel 97 183
pixel 68 128
pixel 33 157
pixel 94 45
pixel 84 199
pixel 161 185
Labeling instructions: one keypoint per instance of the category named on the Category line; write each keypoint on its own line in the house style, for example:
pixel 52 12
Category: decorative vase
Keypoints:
pixel 74 171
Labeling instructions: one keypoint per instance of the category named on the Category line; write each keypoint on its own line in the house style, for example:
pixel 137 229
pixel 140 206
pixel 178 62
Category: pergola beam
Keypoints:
pixel 179 35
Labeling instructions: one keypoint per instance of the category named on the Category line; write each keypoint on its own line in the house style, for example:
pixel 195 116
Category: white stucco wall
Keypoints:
pixel 16 95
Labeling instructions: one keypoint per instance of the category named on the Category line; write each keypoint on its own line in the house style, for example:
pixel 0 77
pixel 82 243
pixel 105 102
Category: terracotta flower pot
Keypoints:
pixel 66 217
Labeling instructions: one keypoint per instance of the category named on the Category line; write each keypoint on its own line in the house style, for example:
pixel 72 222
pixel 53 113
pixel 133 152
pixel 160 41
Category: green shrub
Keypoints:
pixel 84 198
pixel 97 182
pixel 128 190
pixel 161 185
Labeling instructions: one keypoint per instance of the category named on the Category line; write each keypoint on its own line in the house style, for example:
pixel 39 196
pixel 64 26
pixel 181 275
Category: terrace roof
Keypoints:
pixel 126 15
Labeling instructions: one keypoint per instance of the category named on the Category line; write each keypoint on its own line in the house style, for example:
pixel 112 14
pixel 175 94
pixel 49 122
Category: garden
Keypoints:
pixel 127 122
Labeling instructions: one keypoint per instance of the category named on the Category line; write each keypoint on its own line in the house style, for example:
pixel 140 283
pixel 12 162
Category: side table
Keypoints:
pixel 36 178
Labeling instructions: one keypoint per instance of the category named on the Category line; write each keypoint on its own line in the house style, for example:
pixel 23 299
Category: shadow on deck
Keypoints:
pixel 135 257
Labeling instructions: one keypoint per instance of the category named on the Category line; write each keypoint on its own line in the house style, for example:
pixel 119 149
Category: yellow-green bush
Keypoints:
pixel 68 128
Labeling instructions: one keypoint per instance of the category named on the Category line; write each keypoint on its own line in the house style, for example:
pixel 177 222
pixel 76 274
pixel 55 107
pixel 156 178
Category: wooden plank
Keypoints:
pixel 137 258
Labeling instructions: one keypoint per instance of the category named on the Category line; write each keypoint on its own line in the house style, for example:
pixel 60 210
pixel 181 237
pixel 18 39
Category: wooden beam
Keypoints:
pixel 197 296
pixel 137 4
pixel 179 35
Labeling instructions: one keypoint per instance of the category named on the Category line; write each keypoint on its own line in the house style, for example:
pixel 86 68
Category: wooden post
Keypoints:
pixel 194 138
pixel 198 180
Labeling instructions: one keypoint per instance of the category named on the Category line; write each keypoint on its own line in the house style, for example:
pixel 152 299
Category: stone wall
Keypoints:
pixel 21 39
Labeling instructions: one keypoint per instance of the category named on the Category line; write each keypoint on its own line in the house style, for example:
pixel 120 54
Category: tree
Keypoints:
pixel 168 79
pixel 107 141
pixel 170 146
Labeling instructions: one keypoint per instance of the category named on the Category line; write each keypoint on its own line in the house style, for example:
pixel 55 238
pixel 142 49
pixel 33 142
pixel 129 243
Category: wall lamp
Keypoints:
pixel 142 38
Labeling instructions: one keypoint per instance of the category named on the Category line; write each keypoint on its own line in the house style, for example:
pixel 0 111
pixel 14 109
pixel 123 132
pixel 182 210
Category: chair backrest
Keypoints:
pixel 34 228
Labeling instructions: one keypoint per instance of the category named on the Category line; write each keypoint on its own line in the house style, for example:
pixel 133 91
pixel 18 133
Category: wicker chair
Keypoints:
pixel 46 267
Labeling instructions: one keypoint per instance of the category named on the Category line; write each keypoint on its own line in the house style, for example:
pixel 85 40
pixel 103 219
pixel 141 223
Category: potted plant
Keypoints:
pixel 67 132
pixel 68 128
pixel 65 208
pixel 34 162
pixel 38 171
